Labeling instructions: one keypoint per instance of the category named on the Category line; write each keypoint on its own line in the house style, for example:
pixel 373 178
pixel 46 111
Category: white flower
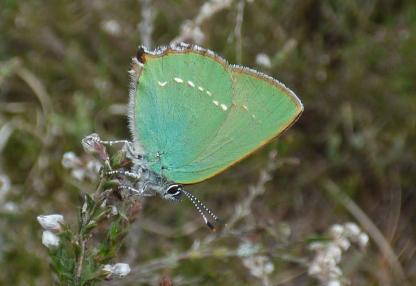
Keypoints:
pixel 78 174
pixel 352 229
pixel 336 230
pixel 112 27
pixel 49 239
pixel 93 167
pixel 263 60
pixel 51 222
pixel 118 269
pixel 82 168
pixel 335 252
pixel 247 249
pixel 363 240
pixel 259 265
pixel 324 265
pixel 121 269
pixel 334 283
pixel 342 242
pixel 70 160
pixel 314 269
pixel 108 268
pixel 10 207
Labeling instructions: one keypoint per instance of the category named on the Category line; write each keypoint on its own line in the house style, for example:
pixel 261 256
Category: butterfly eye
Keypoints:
pixel 174 192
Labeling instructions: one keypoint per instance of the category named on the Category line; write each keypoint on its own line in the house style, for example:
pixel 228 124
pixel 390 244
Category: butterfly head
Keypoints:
pixel 173 192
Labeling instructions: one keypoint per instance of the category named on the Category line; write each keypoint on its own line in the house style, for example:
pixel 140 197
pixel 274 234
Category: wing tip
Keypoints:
pixel 272 80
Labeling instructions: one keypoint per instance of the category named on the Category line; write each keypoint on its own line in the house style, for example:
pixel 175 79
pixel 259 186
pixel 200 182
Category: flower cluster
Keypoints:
pixel 328 254
pixel 79 256
pixel 259 266
pixel 81 169
pixel 52 224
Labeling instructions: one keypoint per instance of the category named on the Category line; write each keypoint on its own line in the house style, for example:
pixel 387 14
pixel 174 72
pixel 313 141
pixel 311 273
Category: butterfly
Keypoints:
pixel 193 115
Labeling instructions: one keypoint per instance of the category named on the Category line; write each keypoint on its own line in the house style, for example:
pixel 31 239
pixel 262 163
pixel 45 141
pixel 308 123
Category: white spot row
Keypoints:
pixel 201 89
pixel 221 105
pixel 191 84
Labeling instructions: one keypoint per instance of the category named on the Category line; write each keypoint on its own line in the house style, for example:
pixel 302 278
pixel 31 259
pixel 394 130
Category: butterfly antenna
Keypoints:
pixel 200 207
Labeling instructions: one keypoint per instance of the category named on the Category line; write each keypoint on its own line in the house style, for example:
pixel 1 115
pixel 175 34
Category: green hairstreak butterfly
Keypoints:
pixel 192 115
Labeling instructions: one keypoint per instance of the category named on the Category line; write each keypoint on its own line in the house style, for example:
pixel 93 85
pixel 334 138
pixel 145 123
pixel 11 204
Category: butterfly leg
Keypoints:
pixel 89 140
pixel 113 142
pixel 131 152
pixel 135 191
pixel 90 143
pixel 131 175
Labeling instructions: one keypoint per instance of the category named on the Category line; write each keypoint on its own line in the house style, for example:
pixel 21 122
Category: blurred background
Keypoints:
pixel 351 157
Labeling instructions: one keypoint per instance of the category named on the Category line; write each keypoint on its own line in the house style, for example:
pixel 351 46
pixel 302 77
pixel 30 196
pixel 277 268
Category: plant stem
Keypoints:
pixel 81 242
pixel 80 261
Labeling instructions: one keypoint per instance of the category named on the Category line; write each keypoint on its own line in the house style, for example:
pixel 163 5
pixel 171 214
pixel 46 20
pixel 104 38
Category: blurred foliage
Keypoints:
pixel 63 75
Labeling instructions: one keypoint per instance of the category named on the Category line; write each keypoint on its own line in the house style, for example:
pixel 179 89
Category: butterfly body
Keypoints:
pixel 148 182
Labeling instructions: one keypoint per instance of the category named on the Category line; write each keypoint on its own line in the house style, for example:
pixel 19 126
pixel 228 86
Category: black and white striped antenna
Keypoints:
pixel 202 209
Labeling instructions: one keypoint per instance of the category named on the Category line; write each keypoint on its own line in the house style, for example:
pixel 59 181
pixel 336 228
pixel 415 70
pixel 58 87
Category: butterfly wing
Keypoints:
pixel 195 115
